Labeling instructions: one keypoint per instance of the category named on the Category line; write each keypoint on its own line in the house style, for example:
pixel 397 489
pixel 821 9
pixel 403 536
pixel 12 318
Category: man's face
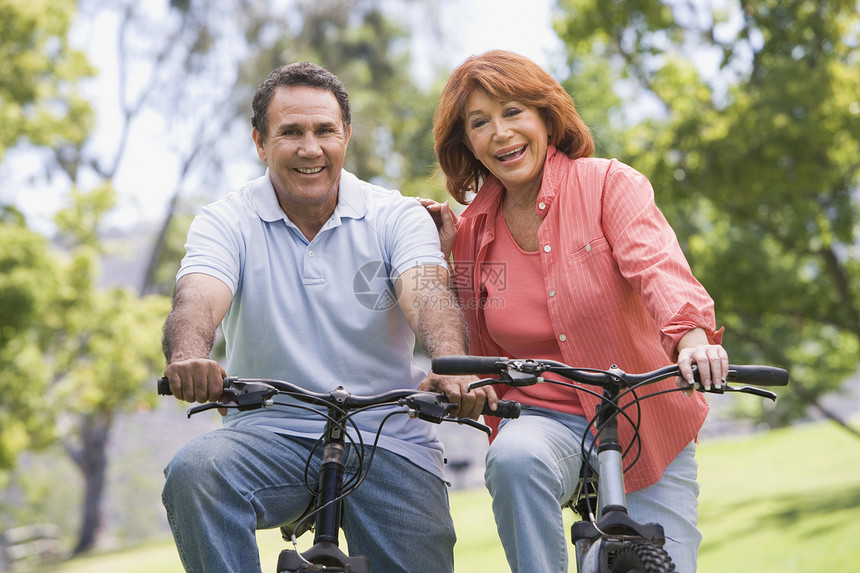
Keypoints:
pixel 305 147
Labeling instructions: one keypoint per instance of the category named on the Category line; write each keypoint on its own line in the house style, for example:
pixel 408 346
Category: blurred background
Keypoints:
pixel 120 119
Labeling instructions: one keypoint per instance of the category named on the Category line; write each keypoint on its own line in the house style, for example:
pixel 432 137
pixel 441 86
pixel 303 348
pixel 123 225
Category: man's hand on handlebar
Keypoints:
pixel 456 388
pixel 196 379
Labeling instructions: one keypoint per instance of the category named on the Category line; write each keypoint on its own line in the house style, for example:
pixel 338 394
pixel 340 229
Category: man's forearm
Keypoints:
pixel 441 326
pixel 189 331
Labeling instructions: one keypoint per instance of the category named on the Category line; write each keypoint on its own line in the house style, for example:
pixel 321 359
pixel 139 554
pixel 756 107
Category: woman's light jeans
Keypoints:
pixel 533 467
pixel 228 483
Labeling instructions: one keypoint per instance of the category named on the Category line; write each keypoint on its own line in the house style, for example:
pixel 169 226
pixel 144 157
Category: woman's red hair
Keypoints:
pixel 504 76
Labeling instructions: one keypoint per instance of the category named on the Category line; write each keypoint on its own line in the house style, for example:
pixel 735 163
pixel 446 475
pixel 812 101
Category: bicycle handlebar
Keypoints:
pixel 253 393
pixel 462 365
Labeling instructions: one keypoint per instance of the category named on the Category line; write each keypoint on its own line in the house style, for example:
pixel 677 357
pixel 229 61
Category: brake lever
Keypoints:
pixel 473 423
pixel 240 395
pixel 517 378
pixel 754 391
pixel 483 382
pixel 743 390
pixel 428 407
pixel 509 377
pixel 207 406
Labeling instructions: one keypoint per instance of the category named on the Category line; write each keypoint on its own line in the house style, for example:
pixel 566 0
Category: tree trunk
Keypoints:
pixel 91 460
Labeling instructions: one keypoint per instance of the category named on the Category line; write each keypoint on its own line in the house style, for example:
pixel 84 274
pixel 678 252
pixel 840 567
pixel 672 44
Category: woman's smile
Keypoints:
pixel 511 155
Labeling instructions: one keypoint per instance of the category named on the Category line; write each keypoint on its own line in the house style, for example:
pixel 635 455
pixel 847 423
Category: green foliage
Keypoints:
pixel 68 346
pixel 106 341
pixel 27 284
pixel 39 99
pixel 746 119
pixel 78 224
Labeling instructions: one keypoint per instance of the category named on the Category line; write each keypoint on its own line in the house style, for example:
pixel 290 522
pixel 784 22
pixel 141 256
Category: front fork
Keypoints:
pixel 595 539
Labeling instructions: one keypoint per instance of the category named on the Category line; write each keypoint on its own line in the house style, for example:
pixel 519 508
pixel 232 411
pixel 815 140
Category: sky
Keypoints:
pixel 479 25
pixel 148 174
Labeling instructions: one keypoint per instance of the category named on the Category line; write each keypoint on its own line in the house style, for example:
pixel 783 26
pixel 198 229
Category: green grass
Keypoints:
pixel 785 501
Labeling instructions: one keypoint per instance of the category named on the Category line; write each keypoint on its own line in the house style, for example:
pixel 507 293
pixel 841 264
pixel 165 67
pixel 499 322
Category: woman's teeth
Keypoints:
pixel 511 154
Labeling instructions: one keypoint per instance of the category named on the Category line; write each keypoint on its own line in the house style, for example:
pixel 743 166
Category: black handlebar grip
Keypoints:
pixel 758 375
pixel 504 409
pixel 461 365
pixel 164 387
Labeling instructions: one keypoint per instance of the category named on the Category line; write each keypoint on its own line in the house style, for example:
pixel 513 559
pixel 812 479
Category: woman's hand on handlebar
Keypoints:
pixel 712 360
pixel 456 388
pixel 196 379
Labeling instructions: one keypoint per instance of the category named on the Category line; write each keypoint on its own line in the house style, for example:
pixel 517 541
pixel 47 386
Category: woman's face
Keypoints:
pixel 509 138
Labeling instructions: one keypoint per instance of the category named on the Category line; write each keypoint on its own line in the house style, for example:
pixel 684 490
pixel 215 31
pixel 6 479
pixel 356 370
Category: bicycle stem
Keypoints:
pixel 331 479
pixel 609 450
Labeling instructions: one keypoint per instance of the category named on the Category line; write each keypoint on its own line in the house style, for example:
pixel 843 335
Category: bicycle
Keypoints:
pixel 607 539
pixel 339 407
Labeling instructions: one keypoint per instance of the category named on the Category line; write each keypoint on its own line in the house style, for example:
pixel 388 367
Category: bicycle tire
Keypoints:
pixel 641 556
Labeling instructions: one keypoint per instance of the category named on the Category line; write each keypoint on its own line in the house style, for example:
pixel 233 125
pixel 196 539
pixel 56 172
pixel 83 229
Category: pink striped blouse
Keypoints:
pixel 618 288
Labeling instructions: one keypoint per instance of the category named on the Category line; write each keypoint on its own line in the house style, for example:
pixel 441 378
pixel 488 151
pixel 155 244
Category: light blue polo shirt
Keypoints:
pixel 320 314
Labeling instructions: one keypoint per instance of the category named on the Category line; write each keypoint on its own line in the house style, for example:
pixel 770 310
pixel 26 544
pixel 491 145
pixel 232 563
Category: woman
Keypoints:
pixel 566 257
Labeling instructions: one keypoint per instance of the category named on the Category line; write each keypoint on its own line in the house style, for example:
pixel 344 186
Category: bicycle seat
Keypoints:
pixel 301 525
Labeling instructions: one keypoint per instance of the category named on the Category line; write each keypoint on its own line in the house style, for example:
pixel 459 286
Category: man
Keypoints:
pixel 323 280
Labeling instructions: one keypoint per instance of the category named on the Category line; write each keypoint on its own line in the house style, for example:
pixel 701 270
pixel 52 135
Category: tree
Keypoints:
pixel 105 345
pixel 39 102
pixel 747 122
pixel 67 347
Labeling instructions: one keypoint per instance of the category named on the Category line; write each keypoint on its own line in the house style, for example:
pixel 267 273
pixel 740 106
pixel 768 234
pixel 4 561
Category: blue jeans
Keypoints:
pixel 533 467
pixel 224 485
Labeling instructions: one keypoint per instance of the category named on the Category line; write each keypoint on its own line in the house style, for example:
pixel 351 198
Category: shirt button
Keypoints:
pixel 587 248
pixel 562 337
pixel 547 248
pixel 311 254
pixel 541 205
pixel 552 293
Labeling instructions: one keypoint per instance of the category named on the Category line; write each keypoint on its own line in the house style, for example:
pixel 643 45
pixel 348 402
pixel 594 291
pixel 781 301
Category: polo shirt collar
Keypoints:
pixel 351 199
pixel 351 202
